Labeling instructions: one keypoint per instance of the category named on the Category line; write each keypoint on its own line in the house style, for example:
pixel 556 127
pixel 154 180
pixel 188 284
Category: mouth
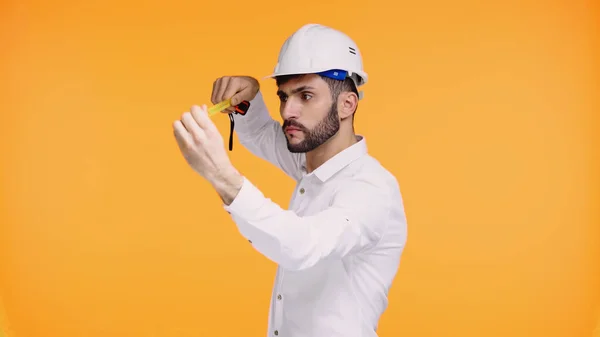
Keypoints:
pixel 291 129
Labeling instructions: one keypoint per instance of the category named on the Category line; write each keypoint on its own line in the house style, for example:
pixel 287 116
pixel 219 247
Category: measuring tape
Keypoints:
pixel 240 109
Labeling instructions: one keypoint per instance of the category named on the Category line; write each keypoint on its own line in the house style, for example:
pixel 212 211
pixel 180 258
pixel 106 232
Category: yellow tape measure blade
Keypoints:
pixel 219 107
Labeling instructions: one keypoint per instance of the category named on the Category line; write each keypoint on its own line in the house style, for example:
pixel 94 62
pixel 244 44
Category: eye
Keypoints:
pixel 306 96
pixel 282 98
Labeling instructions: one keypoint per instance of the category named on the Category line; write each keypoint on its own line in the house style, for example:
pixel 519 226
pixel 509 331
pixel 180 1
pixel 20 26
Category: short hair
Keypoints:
pixel 335 86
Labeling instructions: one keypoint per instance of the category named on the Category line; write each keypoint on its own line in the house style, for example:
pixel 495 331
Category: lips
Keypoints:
pixel 291 126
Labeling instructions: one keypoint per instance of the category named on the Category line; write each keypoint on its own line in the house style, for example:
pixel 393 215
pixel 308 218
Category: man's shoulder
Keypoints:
pixel 368 171
pixel 371 168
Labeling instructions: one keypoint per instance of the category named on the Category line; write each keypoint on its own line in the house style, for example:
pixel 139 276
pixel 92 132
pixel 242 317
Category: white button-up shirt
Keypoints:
pixel 337 247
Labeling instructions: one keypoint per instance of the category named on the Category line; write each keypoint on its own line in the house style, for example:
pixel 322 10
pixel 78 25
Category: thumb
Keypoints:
pixel 237 98
pixel 245 94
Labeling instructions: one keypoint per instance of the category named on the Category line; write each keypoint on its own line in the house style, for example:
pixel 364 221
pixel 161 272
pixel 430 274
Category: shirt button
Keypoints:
pixel 278 297
pixel 250 241
pixel 302 190
pixel 276 332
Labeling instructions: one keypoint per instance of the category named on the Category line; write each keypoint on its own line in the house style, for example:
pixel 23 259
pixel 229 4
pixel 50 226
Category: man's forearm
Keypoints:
pixel 228 185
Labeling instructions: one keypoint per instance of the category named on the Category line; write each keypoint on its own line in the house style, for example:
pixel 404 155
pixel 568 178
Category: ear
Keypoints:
pixel 347 104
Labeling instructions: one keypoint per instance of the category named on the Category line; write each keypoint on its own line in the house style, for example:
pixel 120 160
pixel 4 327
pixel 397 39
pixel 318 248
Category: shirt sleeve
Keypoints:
pixel 355 220
pixel 260 134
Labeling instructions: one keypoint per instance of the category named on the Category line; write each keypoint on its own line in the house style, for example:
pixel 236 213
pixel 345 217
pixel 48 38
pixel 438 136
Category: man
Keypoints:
pixel 338 246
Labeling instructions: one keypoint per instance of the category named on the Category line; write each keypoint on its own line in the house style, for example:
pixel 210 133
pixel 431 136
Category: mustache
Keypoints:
pixel 293 123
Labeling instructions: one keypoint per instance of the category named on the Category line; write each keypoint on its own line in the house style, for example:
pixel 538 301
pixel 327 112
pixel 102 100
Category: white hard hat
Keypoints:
pixel 317 49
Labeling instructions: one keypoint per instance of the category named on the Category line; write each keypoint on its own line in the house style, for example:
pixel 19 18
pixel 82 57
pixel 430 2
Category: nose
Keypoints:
pixel 289 110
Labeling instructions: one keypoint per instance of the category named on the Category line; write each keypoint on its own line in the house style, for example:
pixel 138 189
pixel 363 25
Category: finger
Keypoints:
pixel 240 96
pixel 237 99
pixel 181 134
pixel 216 84
pixel 229 110
pixel 235 86
pixel 214 99
pixel 200 115
pixel 221 89
pixel 193 128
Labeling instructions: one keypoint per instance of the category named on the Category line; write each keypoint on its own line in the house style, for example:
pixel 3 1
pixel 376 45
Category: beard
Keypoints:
pixel 315 137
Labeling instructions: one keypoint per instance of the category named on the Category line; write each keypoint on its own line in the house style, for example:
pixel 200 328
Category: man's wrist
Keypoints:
pixel 228 184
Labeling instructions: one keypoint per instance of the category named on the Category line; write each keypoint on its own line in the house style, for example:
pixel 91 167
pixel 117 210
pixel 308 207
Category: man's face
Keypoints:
pixel 309 113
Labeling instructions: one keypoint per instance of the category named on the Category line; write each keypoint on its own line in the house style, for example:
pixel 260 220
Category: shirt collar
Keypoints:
pixel 340 160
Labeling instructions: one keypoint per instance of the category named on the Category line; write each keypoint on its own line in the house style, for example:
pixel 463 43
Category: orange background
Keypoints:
pixel 492 113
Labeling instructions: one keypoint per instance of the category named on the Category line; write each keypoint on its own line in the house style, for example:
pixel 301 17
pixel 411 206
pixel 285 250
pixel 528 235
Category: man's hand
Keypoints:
pixel 202 147
pixel 236 88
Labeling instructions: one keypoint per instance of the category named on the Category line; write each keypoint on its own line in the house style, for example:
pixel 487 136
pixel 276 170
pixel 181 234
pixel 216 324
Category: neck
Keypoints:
pixel 327 150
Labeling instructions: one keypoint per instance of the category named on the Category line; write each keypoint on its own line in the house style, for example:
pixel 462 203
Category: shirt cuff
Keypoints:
pixel 247 202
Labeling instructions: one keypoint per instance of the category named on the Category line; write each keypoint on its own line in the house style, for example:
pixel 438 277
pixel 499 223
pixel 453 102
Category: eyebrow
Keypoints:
pixel 296 90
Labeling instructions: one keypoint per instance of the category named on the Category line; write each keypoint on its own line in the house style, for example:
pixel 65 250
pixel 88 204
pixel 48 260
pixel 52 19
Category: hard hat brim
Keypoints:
pixel 363 76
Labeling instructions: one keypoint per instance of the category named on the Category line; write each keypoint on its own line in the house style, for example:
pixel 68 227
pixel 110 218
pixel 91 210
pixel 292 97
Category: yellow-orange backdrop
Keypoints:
pixel 491 110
